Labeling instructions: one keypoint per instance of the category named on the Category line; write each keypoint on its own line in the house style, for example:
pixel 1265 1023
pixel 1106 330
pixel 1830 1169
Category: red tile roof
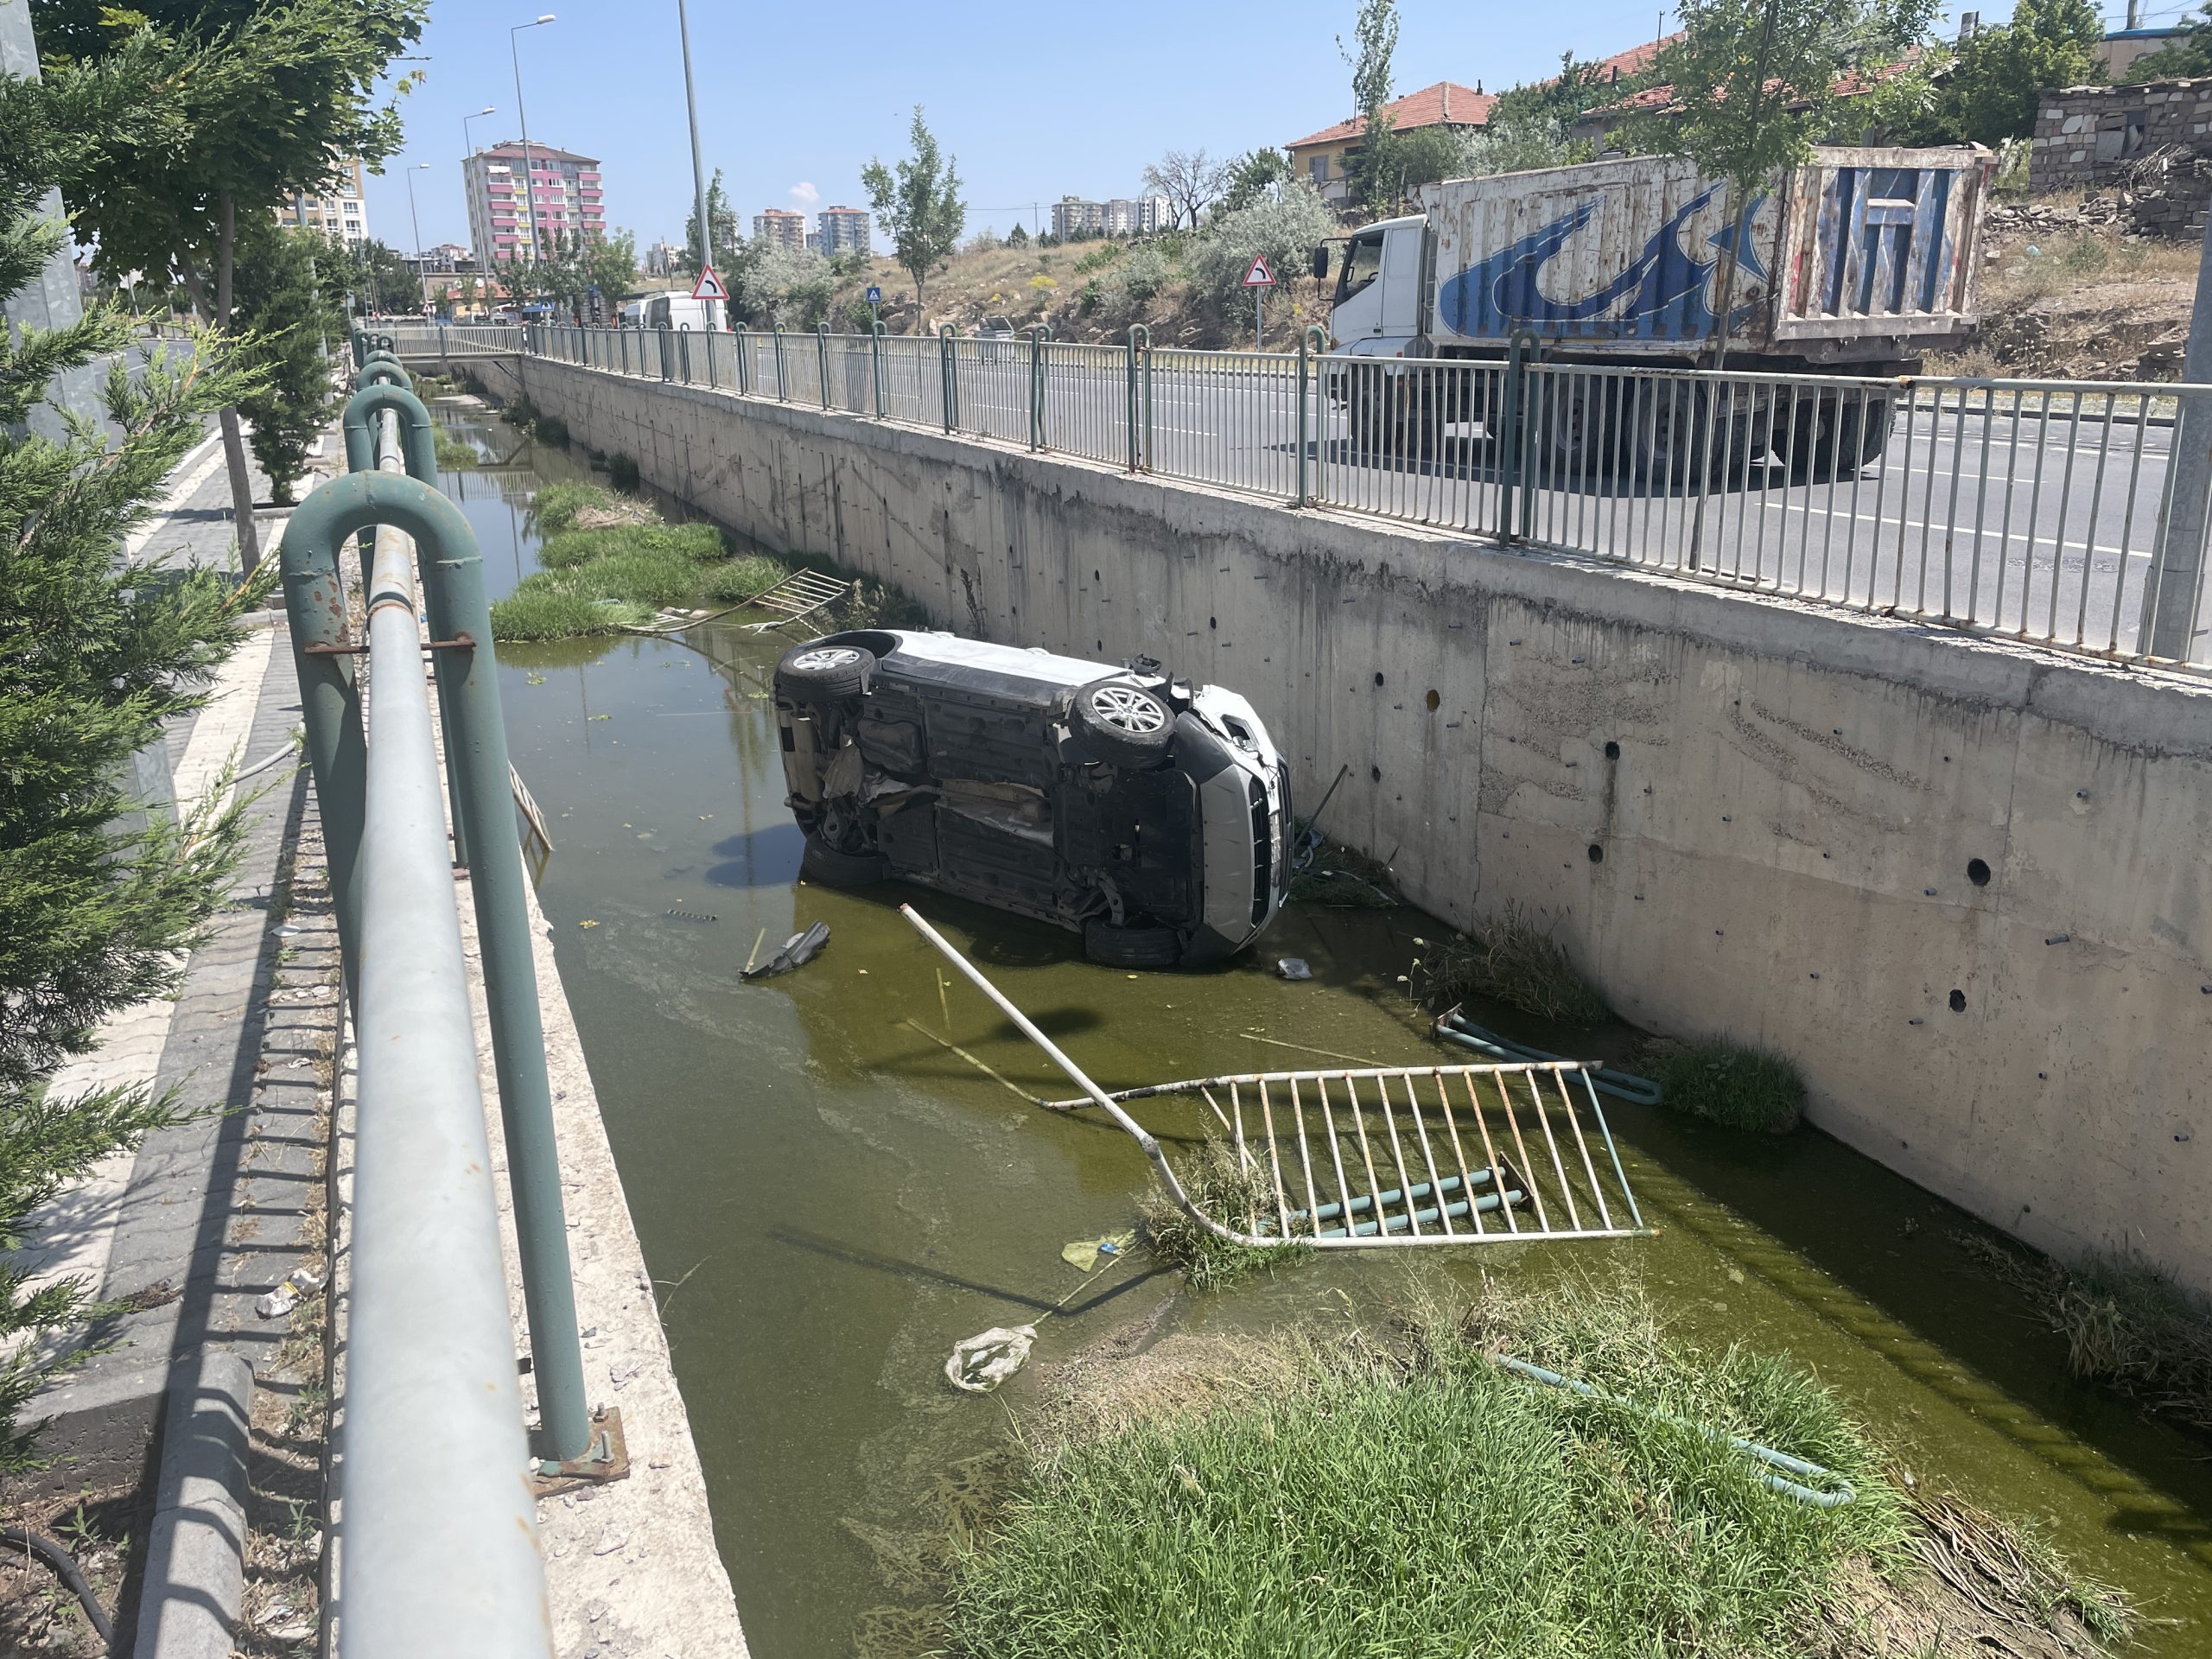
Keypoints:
pixel 1445 104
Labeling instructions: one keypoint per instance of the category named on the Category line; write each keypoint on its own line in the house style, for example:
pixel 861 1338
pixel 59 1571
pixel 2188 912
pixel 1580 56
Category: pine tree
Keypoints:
pixel 96 650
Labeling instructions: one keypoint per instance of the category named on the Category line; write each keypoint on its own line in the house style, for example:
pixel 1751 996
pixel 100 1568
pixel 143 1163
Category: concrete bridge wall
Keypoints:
pixel 1749 818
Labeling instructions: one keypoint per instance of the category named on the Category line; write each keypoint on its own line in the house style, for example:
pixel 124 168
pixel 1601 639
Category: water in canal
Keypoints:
pixel 829 1199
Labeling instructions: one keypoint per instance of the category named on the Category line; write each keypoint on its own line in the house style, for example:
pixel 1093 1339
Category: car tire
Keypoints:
pixel 824 865
pixel 824 673
pixel 1131 947
pixel 1123 724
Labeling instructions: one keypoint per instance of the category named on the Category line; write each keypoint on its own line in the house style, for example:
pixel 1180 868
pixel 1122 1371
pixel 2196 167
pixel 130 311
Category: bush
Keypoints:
pixel 550 429
pixel 1143 275
pixel 1741 1088
pixel 1284 229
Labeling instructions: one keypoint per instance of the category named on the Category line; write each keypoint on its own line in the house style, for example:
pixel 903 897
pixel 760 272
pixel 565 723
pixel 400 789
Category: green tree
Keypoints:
pixel 1517 140
pixel 920 209
pixel 1755 83
pixel 1374 165
pixel 1255 173
pixel 612 264
pixel 282 305
pixel 95 653
pixel 1986 91
pixel 386 281
pixel 1018 236
pixel 257 101
pixel 724 219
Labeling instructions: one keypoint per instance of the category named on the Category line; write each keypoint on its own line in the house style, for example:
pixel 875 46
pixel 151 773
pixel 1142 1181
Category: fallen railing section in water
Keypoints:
pixel 1386 1156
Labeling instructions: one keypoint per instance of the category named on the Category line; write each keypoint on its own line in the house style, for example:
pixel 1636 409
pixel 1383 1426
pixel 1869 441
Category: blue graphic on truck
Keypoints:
pixel 1660 295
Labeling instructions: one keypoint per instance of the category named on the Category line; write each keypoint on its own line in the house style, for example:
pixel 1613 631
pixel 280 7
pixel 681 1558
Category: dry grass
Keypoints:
pixel 1515 961
pixel 1234 1194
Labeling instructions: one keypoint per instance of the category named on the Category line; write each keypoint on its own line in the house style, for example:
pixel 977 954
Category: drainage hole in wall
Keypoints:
pixel 1095 576
pixel 1375 774
pixel 1958 1001
pixel 1212 622
pixel 1433 701
pixel 1378 676
pixel 1597 854
pixel 1612 750
pixel 1978 872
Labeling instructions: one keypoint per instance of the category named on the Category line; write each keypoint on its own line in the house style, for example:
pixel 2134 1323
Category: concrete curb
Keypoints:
pixel 190 1605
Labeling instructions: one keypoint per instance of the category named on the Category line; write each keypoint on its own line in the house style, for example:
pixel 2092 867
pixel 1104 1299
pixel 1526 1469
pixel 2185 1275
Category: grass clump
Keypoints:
pixel 1232 1192
pixel 693 541
pixel 735 581
pixel 1409 1496
pixel 2126 1325
pixel 550 613
pixel 560 505
pixel 1338 878
pixel 1513 961
pixel 454 454
pixel 1741 1088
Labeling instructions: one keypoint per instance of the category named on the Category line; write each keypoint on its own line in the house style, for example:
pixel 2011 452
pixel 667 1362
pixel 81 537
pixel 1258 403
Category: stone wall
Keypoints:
pixel 2091 136
pixel 1960 883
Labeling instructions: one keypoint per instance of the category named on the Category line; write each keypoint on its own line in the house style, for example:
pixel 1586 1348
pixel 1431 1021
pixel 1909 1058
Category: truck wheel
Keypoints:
pixel 1131 947
pixel 1665 432
pixel 1838 435
pixel 1123 724
pixel 820 673
pixel 824 864
pixel 1579 422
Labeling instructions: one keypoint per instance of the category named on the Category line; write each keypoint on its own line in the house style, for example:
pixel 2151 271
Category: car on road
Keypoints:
pixel 1145 813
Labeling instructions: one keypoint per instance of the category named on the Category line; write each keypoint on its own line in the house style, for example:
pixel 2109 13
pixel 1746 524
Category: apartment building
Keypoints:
pixel 843 230
pixel 781 226
pixel 342 212
pixel 563 187
pixel 1072 216
pixel 1141 217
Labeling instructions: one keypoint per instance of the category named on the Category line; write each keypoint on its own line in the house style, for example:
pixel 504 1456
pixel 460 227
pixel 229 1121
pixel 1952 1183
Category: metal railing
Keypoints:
pixel 2042 510
pixel 439 1547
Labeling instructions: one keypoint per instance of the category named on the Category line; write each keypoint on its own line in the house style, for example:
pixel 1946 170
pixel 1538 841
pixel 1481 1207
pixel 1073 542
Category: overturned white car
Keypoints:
pixel 1150 816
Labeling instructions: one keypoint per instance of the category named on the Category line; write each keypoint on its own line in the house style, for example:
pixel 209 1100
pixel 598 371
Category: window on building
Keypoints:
pixel 1320 168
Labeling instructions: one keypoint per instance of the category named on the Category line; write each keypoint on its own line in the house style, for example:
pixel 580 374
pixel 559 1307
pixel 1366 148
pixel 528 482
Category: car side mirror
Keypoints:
pixel 1321 262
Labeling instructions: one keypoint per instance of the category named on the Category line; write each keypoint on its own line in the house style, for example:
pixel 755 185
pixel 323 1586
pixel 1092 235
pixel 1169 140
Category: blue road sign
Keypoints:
pixel 875 295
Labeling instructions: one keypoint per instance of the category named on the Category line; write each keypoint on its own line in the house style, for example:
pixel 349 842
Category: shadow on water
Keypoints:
pixel 851 1198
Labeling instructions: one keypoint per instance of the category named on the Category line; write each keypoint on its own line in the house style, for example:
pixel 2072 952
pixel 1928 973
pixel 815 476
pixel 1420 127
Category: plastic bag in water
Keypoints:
pixel 982 1362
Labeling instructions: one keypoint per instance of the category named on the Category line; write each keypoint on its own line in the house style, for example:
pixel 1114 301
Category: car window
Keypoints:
pixel 657 314
pixel 1362 264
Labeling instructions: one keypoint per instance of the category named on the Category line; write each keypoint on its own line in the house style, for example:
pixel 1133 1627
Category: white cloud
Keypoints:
pixel 805 194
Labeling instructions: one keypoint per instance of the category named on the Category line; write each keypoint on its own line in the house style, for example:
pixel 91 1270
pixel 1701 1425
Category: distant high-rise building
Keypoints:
pixel 1141 217
pixel 1072 216
pixel 342 212
pixel 814 241
pixel 781 226
pixel 563 187
pixel 663 257
pixel 843 230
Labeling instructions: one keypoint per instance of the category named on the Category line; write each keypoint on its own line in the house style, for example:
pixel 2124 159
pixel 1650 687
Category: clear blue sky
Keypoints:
pixel 1035 101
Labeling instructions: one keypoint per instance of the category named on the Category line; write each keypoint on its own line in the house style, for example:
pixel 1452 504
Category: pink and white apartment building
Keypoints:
pixel 563 187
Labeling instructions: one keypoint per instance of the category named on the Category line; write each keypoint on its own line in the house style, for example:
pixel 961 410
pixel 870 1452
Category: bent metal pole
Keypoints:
pixel 476 742
pixel 440 1550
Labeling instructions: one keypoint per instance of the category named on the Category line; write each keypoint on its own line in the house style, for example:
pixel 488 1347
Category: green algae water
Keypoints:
pixel 829 1199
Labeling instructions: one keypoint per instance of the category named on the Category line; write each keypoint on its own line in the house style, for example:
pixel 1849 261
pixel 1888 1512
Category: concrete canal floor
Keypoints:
pixel 828 1200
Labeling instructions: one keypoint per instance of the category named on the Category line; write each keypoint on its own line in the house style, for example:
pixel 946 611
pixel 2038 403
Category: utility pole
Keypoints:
pixel 698 167
pixel 2170 599
pixel 529 191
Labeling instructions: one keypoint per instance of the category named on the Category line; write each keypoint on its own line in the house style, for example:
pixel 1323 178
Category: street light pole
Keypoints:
pixel 468 144
pixel 414 223
pixel 698 167
pixel 529 191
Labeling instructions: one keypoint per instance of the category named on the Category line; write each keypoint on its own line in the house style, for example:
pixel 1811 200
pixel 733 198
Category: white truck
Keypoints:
pixel 1853 265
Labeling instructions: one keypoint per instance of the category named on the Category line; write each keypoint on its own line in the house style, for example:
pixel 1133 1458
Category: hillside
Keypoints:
pixel 1090 291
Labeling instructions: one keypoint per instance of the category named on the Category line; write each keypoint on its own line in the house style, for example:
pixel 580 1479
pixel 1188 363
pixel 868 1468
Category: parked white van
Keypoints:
pixel 674 310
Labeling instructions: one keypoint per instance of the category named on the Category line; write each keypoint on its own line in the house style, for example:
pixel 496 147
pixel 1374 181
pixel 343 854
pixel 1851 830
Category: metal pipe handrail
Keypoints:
pixel 448 1564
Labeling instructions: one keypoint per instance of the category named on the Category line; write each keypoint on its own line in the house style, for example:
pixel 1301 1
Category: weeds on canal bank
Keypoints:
pixel 2126 1325
pixel 454 455
pixel 1740 1088
pixel 1514 961
pixel 1354 1493
pixel 1224 1188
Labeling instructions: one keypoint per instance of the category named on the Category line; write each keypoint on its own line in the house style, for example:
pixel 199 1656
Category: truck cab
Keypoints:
pixel 1380 289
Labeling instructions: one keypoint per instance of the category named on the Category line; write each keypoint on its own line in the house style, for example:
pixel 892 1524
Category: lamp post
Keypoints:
pixel 414 223
pixel 468 143
pixel 529 193
pixel 698 168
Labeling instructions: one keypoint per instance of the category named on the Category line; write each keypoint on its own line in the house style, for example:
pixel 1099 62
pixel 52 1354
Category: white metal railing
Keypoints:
pixel 2038 510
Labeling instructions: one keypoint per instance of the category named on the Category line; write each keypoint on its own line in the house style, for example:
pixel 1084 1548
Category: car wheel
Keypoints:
pixel 1131 947
pixel 824 673
pixel 1123 724
pixel 823 863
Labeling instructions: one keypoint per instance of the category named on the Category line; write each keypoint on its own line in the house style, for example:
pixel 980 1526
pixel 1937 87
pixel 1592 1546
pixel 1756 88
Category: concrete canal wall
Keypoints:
pixel 1962 884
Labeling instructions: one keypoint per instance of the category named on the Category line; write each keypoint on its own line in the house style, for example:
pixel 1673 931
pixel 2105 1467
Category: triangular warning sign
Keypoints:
pixel 1259 276
pixel 710 286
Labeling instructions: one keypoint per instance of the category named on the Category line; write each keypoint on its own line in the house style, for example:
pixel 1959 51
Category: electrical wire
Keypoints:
pixel 64 1567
